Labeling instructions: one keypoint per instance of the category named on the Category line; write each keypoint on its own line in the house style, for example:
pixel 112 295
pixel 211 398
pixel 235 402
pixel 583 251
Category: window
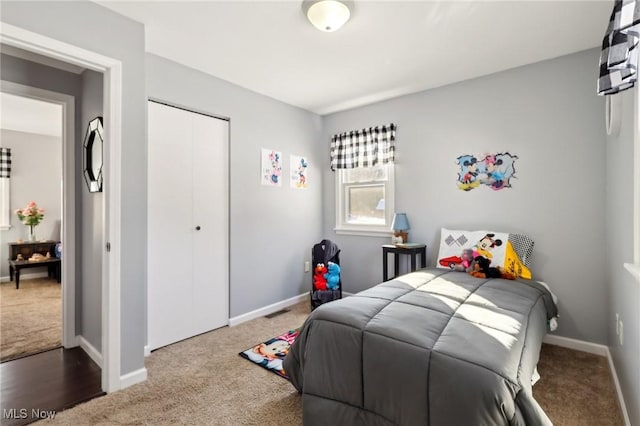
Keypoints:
pixel 364 199
pixel 634 268
pixel 363 163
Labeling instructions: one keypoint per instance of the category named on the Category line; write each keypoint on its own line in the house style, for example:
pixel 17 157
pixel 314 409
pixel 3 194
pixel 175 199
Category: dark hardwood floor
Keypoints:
pixel 38 386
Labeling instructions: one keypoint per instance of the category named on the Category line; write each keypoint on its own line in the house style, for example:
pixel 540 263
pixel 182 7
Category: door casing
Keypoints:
pixel 112 106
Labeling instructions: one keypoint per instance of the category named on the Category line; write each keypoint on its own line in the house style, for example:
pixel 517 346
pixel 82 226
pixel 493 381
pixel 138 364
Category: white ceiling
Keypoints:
pixel 30 115
pixel 387 49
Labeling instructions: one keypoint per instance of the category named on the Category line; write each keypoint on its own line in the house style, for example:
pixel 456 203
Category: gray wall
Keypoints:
pixel 547 114
pixel 92 27
pixel 624 290
pixel 36 173
pixel 272 229
pixel 21 71
pixel 90 235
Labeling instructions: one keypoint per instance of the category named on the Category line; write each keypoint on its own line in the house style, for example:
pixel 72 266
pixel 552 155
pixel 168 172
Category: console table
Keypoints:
pixel 27 250
pixel 413 250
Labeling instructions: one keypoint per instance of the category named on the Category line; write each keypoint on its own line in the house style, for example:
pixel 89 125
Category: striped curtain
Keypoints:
pixel 363 148
pixel 619 57
pixel 5 174
pixel 5 162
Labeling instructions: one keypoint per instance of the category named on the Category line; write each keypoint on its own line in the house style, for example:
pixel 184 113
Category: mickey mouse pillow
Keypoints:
pixel 510 252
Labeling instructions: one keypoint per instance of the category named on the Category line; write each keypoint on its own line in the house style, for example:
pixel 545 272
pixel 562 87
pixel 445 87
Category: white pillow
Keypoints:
pixel 498 247
pixel 491 245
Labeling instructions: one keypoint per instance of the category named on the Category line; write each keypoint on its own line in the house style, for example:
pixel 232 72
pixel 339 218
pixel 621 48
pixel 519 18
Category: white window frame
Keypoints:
pixel 5 214
pixel 345 228
pixel 634 268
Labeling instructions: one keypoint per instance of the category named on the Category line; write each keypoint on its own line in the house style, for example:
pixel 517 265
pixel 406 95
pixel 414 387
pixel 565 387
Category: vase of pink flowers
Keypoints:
pixel 31 216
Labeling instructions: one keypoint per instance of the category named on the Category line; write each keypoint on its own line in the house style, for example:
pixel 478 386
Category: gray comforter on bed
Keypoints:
pixel 433 347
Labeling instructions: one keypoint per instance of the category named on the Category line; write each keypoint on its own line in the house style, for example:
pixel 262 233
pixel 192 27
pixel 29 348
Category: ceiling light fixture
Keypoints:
pixel 327 15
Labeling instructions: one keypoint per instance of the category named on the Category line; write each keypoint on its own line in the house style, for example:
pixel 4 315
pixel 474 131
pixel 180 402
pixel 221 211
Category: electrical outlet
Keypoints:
pixel 621 333
pixel 307 266
pixel 617 324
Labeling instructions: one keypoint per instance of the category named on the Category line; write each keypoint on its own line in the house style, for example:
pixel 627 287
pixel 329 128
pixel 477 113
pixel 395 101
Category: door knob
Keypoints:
pixel 198 228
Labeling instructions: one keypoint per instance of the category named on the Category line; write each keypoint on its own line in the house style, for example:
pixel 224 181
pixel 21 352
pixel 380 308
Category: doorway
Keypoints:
pixel 49 379
pixel 31 292
pixel 112 89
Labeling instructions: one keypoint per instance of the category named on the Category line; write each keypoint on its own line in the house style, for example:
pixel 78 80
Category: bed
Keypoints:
pixel 433 347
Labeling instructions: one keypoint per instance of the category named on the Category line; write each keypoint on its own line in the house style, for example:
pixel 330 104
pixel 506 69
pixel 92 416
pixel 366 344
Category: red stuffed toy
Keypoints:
pixel 319 281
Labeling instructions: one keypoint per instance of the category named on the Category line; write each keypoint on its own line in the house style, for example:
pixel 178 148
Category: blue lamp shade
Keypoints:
pixel 400 222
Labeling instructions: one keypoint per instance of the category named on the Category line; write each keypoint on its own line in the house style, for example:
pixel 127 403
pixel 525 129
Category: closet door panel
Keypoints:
pixel 170 201
pixel 211 212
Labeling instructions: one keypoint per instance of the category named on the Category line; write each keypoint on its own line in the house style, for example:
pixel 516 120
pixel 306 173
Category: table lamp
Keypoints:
pixel 400 225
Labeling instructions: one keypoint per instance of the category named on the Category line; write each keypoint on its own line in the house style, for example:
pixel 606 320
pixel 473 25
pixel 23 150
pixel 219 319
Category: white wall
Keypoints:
pixel 624 290
pixel 36 175
pixel 546 113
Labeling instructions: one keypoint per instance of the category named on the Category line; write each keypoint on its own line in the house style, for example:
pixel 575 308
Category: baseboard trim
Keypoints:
pixel 596 349
pixel 93 353
pixel 616 382
pixel 28 276
pixel 578 345
pixel 135 377
pixel 261 312
pixel 266 310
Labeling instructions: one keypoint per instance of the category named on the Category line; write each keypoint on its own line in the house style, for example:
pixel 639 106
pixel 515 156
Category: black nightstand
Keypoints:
pixel 412 250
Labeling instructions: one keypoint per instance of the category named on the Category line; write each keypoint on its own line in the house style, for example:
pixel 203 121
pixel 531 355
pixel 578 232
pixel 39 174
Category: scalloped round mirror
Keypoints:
pixel 93 141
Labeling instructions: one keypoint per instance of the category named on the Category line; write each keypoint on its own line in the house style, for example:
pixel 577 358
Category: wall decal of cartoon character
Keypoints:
pixel 299 168
pixel 494 171
pixel 271 167
pixel 495 177
pixel 276 169
pixel 468 174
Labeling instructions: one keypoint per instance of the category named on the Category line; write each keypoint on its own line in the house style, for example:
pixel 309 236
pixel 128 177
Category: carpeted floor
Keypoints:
pixel 576 388
pixel 30 318
pixel 203 381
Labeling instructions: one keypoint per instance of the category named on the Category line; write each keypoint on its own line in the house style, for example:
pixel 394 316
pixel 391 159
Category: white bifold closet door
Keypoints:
pixel 188 224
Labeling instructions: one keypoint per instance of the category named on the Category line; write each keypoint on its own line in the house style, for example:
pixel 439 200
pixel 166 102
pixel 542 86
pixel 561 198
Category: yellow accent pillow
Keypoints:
pixel 513 264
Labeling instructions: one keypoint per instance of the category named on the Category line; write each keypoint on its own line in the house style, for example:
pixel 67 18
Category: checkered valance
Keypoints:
pixel 363 148
pixel 5 162
pixel 619 57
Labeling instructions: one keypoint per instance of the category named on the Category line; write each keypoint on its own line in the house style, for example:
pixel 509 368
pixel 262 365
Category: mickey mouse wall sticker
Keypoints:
pixel 491 170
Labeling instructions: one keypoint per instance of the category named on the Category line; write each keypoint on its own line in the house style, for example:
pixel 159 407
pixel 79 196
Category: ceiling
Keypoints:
pixel 28 115
pixel 387 49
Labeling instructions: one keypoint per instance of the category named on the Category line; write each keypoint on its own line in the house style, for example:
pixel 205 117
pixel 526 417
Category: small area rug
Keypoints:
pixel 270 354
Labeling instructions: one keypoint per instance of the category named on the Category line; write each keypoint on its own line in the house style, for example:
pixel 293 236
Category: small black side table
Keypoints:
pixel 52 264
pixel 413 251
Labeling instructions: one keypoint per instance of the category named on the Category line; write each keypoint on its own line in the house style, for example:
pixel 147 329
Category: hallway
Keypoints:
pixel 41 385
